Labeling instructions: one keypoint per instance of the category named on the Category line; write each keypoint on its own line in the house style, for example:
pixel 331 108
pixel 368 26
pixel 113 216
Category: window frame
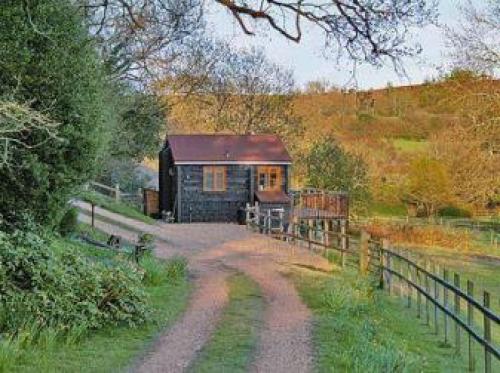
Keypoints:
pixel 267 171
pixel 213 171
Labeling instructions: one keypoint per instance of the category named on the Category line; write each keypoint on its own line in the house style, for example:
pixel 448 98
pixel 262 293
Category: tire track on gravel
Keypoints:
pixel 177 348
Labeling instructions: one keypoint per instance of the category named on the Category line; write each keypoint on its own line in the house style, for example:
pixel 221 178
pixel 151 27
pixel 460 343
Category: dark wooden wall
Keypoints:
pixel 167 182
pixel 195 205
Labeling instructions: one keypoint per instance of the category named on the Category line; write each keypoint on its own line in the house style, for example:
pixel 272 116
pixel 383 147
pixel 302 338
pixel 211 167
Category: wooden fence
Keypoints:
pixel 116 193
pixel 316 203
pixel 439 300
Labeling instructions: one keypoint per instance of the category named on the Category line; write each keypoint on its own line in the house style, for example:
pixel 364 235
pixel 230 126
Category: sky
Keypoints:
pixel 308 62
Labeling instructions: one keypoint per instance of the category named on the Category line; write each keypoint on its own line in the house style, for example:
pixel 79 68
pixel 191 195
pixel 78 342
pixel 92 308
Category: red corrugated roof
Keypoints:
pixel 228 148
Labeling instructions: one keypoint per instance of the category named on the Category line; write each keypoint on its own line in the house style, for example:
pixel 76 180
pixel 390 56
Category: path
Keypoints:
pixel 214 250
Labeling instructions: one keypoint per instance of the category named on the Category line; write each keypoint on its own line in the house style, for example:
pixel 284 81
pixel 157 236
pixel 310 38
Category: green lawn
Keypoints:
pixel 110 204
pixel 410 146
pixel 483 272
pixel 358 329
pixel 111 349
pixel 233 343
pixel 387 210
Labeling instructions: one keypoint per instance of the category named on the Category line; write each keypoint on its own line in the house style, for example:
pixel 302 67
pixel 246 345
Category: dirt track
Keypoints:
pixel 214 250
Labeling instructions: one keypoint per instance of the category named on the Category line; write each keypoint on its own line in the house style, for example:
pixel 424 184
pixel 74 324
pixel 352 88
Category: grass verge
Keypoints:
pixel 358 329
pixel 233 343
pixel 113 348
pixel 110 204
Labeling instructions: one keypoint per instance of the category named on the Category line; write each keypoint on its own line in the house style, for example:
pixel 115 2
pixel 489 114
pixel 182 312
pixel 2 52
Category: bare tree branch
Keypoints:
pixel 22 129
pixel 476 43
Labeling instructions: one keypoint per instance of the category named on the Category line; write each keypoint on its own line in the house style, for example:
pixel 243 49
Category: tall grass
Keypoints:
pixel 157 272
pixel 358 329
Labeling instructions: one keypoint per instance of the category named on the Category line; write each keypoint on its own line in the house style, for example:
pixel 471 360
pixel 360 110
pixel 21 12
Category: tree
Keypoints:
pixel 48 61
pixel 320 86
pixel 137 37
pixel 138 131
pixel 428 184
pixel 475 44
pixel 19 124
pixel 471 161
pixel 366 30
pixel 330 167
pixel 236 91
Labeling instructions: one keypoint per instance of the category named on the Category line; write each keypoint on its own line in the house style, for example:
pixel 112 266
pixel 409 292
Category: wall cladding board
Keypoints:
pixel 198 205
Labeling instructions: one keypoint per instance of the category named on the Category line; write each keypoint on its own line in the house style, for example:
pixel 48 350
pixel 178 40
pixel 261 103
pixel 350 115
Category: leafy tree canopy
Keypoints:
pixel 330 167
pixel 428 184
pixel 48 62
pixel 137 134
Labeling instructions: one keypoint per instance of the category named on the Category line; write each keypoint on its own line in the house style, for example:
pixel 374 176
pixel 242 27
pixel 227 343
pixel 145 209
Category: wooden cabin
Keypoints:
pixel 211 178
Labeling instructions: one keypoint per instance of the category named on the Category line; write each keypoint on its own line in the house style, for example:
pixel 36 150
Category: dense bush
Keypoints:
pixel 69 222
pixel 330 167
pixel 62 290
pixel 48 61
pixel 454 212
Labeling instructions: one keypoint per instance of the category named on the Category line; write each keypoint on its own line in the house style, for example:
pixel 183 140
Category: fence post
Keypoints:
pixel 310 231
pixel 396 267
pixel 428 291
pixel 410 278
pixel 268 221
pixel 117 192
pixel 487 333
pixel 382 259
pixel 436 298
pixel 326 232
pixel 363 252
pixel 93 215
pixel 344 242
pixel 419 295
pixel 247 214
pixel 456 282
pixel 470 321
pixel 445 300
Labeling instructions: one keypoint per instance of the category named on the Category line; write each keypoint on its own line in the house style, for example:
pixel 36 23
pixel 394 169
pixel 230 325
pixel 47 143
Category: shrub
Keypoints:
pixel 69 222
pixel 455 212
pixel 147 240
pixel 158 272
pixel 63 290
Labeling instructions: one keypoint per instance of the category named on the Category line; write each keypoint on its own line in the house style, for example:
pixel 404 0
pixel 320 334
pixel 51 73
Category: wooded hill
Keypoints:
pixel 454 121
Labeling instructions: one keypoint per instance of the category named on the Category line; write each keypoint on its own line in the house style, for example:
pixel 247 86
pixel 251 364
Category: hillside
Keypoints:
pixel 391 127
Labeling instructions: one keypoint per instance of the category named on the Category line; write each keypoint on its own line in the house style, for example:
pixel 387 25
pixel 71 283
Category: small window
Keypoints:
pixel 214 178
pixel 269 178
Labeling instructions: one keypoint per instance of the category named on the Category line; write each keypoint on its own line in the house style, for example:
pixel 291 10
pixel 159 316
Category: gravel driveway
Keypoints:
pixel 214 251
